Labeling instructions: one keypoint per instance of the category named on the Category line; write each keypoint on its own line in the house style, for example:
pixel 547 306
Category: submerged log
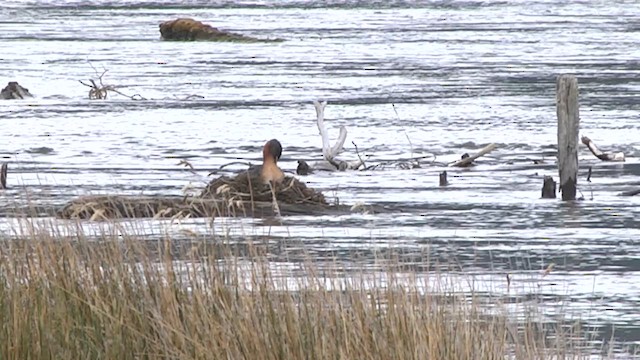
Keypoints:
pixel 13 90
pixel 630 193
pixel 186 29
pixel 548 188
pixel 604 156
pixel 567 109
pixel 467 160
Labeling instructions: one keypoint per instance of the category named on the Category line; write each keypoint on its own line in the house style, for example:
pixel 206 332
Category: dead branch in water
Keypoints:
pixel 467 160
pixel 214 172
pixel 329 153
pixel 100 91
pixel 604 156
pixel 358 153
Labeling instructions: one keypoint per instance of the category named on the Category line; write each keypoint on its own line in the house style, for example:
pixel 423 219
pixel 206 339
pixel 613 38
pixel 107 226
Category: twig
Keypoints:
pixel 188 164
pixel 101 91
pixel 229 164
pixel 189 97
pixel 359 157
pixel 417 164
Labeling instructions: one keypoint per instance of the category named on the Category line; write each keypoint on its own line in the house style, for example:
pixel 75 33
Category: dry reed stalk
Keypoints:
pixel 115 296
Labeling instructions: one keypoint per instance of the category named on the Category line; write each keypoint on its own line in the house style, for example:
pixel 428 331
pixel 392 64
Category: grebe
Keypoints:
pixel 269 171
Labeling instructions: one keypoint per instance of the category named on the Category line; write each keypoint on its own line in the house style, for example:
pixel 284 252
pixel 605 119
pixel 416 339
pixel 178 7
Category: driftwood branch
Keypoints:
pixel 466 161
pixel 99 91
pixel 330 152
pixel 604 156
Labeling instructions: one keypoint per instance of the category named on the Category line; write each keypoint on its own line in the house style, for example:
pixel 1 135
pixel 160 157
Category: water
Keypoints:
pixel 437 78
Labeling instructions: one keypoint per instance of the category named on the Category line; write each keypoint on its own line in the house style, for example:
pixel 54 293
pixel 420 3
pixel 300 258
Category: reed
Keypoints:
pixel 69 294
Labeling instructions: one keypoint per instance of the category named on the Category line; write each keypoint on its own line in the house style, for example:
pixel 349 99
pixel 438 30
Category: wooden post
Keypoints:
pixel 443 179
pixel 3 176
pixel 548 188
pixel 568 127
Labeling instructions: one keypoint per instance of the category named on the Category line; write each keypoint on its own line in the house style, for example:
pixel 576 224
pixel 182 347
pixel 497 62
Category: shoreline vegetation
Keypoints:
pixel 71 293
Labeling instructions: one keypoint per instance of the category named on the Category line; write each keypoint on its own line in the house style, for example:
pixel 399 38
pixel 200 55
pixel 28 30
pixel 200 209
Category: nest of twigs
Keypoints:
pixel 247 186
pixel 112 207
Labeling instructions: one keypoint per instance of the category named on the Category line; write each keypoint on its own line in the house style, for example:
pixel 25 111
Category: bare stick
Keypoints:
pixel 229 164
pixel 604 156
pixel 468 160
pixel 567 109
pixel 359 157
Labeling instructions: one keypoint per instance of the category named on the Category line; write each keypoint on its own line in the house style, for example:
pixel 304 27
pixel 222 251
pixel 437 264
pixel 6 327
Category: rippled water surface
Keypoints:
pixel 407 79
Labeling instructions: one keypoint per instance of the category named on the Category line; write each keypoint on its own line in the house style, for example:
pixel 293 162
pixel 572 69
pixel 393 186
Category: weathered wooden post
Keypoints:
pixel 3 176
pixel 548 188
pixel 568 128
pixel 443 179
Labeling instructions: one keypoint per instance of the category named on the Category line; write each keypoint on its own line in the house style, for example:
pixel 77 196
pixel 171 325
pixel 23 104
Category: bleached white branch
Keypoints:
pixel 468 160
pixel 328 152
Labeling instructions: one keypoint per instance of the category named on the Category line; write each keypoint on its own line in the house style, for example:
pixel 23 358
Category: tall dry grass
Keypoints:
pixel 121 297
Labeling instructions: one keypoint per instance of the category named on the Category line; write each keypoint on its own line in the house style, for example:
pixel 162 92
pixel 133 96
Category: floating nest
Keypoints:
pixel 248 187
pixel 242 195
pixel 114 207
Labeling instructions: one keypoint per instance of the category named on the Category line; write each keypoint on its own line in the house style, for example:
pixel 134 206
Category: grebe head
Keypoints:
pixel 269 171
pixel 272 149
